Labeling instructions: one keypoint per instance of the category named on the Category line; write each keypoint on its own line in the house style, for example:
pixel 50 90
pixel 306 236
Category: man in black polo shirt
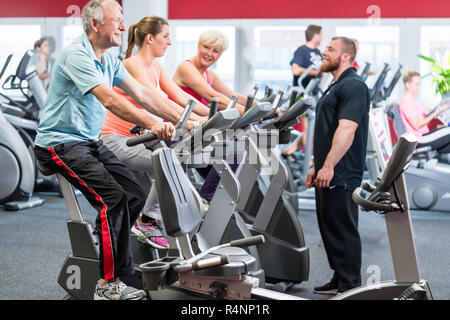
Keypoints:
pixel 340 140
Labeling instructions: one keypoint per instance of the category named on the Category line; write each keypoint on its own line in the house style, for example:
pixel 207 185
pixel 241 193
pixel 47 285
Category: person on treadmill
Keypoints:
pixel 305 56
pixel 340 143
pixel 43 64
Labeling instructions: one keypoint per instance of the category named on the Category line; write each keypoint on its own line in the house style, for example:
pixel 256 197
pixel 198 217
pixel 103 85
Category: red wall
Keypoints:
pixel 260 9
pixel 41 8
pixel 256 9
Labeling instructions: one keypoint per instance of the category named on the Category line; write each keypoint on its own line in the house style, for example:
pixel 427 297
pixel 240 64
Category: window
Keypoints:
pixel 16 40
pixel 275 46
pixel 186 47
pixel 71 32
pixel 377 45
pixel 435 43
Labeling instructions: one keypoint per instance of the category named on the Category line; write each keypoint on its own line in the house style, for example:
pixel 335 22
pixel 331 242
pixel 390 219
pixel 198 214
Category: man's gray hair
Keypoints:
pixel 94 10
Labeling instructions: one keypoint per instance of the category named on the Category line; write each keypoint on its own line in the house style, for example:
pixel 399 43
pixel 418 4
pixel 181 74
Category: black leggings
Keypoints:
pixel 438 140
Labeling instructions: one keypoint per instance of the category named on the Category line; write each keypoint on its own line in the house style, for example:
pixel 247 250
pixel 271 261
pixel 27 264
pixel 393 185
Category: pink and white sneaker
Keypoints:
pixel 150 233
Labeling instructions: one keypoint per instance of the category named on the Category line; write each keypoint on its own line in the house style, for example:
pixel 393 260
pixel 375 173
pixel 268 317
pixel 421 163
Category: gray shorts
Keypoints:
pixel 139 160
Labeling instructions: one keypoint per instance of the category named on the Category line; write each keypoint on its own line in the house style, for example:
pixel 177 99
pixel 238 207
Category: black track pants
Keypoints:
pixel 110 188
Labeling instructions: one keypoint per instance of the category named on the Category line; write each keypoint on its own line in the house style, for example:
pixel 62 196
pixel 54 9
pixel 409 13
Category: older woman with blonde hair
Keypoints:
pixel 196 77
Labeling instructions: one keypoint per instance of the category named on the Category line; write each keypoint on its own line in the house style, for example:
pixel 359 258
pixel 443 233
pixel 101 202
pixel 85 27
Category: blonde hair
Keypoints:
pixel 138 31
pixel 213 38
pixel 409 75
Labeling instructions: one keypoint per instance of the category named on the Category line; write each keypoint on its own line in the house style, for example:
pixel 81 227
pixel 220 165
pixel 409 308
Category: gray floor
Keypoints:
pixel 34 243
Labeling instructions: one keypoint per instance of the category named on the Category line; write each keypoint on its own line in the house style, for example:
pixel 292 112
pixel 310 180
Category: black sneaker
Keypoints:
pixel 328 288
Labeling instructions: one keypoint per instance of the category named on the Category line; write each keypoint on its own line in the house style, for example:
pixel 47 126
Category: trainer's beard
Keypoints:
pixel 329 66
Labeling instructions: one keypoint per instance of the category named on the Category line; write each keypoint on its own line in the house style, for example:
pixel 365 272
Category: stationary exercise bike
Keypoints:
pixel 222 271
pixel 24 114
pixel 276 219
pixel 80 271
pixel 17 170
pixel 17 160
pixel 390 197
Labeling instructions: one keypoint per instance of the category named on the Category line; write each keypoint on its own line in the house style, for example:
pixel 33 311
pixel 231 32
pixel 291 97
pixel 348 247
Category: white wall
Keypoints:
pixel 409 41
pixel 135 10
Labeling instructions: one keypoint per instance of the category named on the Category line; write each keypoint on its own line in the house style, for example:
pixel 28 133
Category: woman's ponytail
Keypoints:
pixel 131 40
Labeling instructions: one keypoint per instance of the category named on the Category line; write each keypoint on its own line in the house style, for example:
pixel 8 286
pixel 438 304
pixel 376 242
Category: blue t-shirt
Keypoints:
pixel 70 112
pixel 305 57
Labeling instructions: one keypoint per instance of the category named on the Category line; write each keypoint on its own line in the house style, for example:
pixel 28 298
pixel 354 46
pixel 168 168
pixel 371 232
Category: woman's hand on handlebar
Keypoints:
pixel 442 108
pixel 202 120
pixel 240 108
pixel 163 130
pixel 190 125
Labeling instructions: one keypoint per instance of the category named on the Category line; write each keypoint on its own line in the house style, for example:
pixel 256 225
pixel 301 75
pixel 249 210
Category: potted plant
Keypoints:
pixel 441 76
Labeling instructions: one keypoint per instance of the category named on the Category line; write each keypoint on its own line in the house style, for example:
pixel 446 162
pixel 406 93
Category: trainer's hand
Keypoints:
pixel 309 178
pixel 163 130
pixel 324 177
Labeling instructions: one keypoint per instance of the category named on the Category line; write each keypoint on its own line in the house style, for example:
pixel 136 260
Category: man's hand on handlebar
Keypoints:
pixel 163 130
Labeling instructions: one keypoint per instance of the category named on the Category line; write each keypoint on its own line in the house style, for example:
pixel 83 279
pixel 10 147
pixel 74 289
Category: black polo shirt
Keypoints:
pixel 347 98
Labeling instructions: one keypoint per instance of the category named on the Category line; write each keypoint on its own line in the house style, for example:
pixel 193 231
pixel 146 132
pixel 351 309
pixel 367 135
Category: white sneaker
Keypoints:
pixel 117 290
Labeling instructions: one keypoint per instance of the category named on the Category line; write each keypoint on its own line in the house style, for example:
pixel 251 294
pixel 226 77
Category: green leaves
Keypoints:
pixel 441 76
pixel 427 59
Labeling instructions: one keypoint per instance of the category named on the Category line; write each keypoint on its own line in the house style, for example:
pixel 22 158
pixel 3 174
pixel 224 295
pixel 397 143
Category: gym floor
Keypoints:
pixel 34 243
